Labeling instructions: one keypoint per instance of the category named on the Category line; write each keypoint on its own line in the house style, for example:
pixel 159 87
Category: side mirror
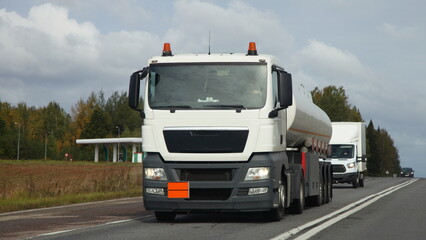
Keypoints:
pixel 285 92
pixel 285 89
pixel 134 87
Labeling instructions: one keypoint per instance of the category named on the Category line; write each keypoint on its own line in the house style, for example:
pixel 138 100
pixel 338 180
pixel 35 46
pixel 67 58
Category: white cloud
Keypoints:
pixel 52 57
pixel 319 65
pixel 45 42
pixel 232 28
pixel 398 31
pixel 331 65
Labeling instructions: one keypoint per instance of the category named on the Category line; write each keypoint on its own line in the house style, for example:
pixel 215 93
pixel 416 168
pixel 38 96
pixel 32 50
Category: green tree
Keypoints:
pixel 98 126
pixel 382 154
pixel 374 158
pixel 123 116
pixel 390 156
pixel 335 103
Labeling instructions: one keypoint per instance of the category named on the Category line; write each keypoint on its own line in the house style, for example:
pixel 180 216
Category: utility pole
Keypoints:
pixel 19 139
pixel 118 143
pixel 45 146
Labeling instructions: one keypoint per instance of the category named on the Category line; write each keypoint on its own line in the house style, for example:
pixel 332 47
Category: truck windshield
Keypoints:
pixel 207 86
pixel 342 151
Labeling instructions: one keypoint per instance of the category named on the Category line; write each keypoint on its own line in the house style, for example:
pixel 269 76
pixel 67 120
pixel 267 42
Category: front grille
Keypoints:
pixel 210 194
pixel 339 168
pixel 205 141
pixel 205 175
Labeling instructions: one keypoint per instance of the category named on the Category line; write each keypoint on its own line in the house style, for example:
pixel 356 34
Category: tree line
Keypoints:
pixel 382 154
pixel 50 132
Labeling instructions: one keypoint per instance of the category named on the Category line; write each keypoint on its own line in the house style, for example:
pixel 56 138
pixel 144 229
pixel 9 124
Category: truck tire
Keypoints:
pixel 328 189
pixel 165 216
pixel 297 206
pixel 361 180
pixel 276 214
pixel 355 182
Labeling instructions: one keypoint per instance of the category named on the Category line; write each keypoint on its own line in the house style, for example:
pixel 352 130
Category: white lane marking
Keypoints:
pixel 343 212
pixel 90 227
pixel 68 206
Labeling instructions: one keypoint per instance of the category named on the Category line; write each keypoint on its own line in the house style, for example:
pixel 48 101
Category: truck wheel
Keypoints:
pixel 355 183
pixel 276 214
pixel 323 191
pixel 165 216
pixel 328 192
pixel 298 205
pixel 361 181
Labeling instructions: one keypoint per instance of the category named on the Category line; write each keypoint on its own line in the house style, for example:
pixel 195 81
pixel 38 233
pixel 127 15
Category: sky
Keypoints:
pixel 62 50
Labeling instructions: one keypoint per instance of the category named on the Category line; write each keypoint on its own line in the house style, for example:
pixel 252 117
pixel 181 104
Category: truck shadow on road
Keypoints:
pixel 343 186
pixel 256 217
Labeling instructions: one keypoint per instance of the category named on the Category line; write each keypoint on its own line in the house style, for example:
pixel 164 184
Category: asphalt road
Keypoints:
pixel 363 213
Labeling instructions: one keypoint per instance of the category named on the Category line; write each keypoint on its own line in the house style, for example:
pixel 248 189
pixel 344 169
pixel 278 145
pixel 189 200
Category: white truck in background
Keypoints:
pixel 229 133
pixel 348 153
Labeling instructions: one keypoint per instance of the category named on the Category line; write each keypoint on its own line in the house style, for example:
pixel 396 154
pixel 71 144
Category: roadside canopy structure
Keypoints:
pixel 117 144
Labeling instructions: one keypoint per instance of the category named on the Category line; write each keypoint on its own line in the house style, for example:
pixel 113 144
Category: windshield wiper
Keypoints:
pixel 237 107
pixel 173 108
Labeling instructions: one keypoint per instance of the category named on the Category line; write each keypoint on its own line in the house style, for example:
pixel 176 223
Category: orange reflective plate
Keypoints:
pixel 178 190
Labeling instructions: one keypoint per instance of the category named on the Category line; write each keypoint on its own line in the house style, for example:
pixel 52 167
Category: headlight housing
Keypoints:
pixel 351 165
pixel 257 173
pixel 155 174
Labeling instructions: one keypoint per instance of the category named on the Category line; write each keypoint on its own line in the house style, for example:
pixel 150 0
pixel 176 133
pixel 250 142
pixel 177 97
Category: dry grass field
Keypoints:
pixel 32 184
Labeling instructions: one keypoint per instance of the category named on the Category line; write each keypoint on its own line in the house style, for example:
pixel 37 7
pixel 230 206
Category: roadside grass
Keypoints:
pixel 37 183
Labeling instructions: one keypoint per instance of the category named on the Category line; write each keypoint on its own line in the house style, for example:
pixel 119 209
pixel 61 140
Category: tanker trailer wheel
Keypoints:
pixel 276 214
pixel 165 216
pixel 328 190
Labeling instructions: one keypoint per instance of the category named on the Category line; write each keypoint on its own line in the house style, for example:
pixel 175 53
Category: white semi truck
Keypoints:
pixel 229 133
pixel 348 153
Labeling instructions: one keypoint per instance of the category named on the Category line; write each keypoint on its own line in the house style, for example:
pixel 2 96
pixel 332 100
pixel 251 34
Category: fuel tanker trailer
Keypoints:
pixel 229 133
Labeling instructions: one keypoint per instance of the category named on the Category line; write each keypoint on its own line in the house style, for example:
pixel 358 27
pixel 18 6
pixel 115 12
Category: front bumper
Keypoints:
pixel 214 186
pixel 344 177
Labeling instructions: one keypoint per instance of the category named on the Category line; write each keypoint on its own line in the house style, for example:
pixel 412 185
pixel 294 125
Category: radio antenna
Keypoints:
pixel 209 42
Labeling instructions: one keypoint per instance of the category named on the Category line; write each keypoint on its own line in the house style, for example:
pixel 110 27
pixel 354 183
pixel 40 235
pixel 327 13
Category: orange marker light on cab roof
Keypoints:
pixel 167 51
pixel 252 49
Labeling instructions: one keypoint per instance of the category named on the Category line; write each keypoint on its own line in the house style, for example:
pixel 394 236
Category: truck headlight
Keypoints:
pixel 257 173
pixel 351 165
pixel 155 174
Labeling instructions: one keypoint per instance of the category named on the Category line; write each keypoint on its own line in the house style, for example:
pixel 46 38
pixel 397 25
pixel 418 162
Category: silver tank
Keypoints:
pixel 307 124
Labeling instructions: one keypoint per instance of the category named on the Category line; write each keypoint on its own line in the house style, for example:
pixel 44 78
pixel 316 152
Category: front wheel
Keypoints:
pixel 355 183
pixel 276 214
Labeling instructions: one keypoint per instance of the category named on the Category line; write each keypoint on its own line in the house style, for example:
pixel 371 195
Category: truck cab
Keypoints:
pixel 348 153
